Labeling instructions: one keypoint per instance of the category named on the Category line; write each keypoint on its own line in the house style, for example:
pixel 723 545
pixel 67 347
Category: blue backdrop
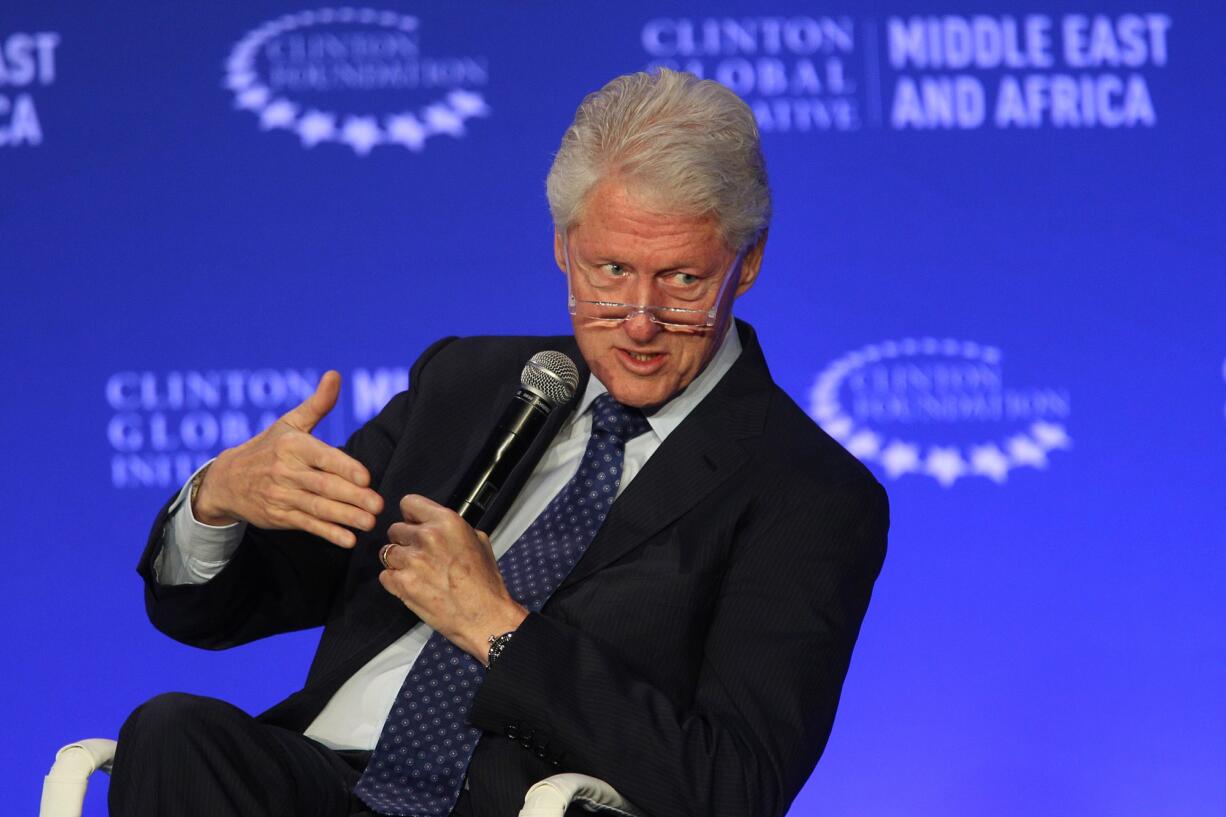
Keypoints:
pixel 995 273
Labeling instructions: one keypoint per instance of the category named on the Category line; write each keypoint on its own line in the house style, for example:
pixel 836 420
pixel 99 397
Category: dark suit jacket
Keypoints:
pixel 695 655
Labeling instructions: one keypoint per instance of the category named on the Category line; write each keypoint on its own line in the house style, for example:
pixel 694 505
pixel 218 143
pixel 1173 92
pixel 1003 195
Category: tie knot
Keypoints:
pixel 623 422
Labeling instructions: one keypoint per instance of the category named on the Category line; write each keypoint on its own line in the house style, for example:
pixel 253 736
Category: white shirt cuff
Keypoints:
pixel 193 552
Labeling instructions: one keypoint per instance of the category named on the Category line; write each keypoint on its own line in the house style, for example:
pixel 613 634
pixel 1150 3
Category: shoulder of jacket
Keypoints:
pixel 794 446
pixel 479 360
pixel 496 350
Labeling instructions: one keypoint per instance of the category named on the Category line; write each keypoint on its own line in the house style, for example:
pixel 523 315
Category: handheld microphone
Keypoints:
pixel 548 380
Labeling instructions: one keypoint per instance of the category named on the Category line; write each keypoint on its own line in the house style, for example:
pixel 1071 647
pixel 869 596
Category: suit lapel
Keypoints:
pixel 701 453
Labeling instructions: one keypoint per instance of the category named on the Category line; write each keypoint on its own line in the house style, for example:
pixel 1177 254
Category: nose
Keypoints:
pixel 641 328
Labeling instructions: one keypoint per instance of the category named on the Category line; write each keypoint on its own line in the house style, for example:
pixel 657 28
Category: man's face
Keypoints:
pixel 641 363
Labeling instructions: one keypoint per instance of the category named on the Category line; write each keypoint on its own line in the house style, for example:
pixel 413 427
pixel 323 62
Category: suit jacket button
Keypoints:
pixel 554 762
pixel 512 732
pixel 541 753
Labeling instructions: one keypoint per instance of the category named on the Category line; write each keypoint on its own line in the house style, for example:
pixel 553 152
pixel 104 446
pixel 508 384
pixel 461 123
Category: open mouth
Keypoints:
pixel 641 362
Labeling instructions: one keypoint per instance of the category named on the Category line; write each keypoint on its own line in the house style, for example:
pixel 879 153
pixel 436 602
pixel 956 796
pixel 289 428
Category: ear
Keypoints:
pixel 750 264
pixel 559 251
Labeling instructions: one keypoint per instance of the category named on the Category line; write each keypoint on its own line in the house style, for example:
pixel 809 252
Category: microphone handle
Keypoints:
pixel 510 440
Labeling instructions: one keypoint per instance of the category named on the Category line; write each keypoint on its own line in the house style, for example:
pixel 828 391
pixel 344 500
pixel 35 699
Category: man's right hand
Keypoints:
pixel 285 479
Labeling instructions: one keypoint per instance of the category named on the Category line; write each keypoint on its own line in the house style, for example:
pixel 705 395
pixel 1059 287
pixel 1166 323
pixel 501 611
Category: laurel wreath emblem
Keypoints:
pixel 993 459
pixel 409 129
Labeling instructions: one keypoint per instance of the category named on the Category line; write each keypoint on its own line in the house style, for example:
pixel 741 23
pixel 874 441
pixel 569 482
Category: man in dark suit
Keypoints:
pixel 680 627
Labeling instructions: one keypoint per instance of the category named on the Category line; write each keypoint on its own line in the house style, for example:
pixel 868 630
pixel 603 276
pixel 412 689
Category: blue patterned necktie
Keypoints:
pixel 419 764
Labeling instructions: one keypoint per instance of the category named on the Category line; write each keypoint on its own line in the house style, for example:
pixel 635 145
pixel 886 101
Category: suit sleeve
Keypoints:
pixel 278 580
pixel 775 655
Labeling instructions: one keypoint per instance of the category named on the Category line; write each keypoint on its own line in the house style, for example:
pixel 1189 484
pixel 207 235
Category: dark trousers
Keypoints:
pixel 188 756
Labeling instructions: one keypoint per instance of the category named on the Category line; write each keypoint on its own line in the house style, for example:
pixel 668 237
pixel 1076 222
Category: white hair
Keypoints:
pixel 686 145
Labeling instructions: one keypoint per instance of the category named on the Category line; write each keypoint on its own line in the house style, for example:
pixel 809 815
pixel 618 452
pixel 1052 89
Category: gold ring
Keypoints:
pixel 383 555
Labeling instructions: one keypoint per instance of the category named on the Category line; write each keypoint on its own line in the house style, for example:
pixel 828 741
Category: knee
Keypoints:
pixel 161 739
pixel 171 719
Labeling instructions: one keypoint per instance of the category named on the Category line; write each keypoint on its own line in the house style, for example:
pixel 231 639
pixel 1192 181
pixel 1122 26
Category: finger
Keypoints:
pixel 324 530
pixel 398 557
pixel 417 538
pixel 320 455
pixel 340 489
pixel 307 414
pixel 387 578
pixel 394 557
pixel 392 583
pixel 417 508
pixel 403 534
pixel 484 538
pixel 329 510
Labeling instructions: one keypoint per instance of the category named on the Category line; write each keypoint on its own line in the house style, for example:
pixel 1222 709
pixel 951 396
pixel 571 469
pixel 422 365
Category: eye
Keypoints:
pixel 685 279
pixel 615 270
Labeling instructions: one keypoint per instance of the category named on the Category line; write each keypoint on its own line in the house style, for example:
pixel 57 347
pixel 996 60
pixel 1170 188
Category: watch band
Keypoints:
pixel 498 643
pixel 195 489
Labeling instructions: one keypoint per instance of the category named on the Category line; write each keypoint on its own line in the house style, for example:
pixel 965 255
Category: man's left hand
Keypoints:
pixel 445 572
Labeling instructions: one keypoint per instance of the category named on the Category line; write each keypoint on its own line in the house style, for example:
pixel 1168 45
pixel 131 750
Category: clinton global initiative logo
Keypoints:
pixel 163 425
pixel 802 73
pixel 797 73
pixel 938 408
pixel 354 76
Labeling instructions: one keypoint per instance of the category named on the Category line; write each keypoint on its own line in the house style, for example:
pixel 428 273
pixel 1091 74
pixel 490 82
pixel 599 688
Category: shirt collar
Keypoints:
pixel 666 418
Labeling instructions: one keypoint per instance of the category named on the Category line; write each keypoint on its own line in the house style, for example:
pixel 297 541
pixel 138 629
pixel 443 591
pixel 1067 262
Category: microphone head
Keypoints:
pixel 551 375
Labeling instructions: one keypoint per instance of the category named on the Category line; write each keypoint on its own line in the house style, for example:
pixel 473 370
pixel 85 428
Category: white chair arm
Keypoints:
pixel 551 796
pixel 64 786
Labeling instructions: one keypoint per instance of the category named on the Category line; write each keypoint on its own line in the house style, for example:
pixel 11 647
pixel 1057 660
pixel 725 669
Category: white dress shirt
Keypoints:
pixel 193 552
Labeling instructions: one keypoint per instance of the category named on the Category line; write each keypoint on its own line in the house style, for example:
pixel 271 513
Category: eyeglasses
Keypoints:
pixel 674 318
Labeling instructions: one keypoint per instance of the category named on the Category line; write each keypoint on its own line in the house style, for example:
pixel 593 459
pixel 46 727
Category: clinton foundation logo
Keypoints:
pixel 354 76
pixel 938 408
